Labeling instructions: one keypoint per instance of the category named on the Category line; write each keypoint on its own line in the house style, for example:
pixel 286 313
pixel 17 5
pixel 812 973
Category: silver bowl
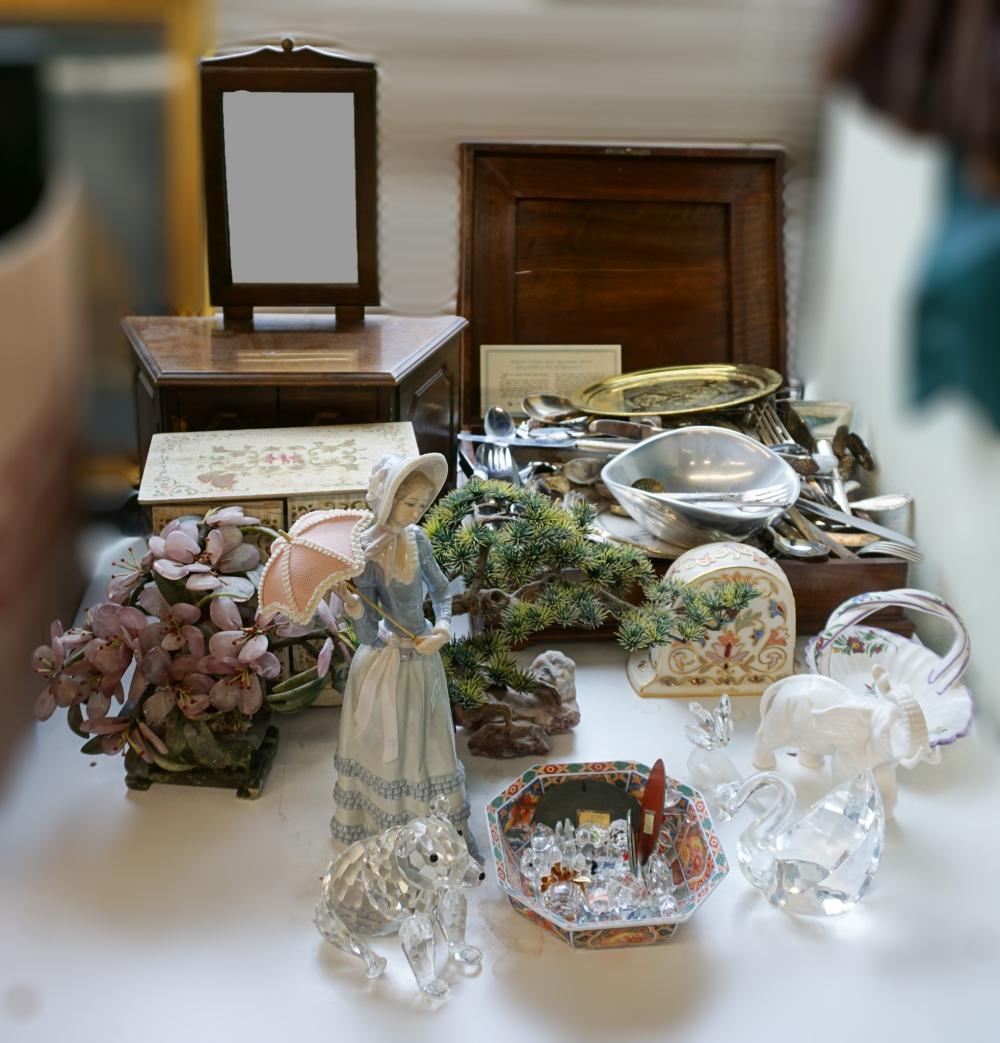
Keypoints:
pixel 700 460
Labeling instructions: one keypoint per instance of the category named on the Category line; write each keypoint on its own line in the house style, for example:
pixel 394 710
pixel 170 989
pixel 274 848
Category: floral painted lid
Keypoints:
pixel 202 466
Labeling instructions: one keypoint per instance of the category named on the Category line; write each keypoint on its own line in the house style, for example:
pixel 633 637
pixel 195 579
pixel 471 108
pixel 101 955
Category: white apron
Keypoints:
pixel 397 741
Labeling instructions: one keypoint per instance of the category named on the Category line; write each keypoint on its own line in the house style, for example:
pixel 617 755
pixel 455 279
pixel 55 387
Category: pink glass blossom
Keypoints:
pixel 227 553
pixel 239 684
pixel 113 732
pixel 197 573
pixel 180 556
pixel 134 571
pixel 75 681
pixel 48 661
pixel 329 613
pixel 177 628
pixel 188 527
pixel 117 639
pixel 324 657
pixel 186 689
pixel 224 614
pixel 232 515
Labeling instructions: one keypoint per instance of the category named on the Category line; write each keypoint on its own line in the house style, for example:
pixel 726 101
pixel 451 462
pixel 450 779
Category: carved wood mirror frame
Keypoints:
pixel 289 69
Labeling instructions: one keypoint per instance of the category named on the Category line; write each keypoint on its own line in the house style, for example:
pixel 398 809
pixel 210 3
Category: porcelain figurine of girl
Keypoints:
pixel 397 739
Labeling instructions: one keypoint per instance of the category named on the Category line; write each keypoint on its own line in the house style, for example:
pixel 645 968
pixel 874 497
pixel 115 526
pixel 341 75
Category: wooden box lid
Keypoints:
pixel 268 463
pixel 285 349
pixel 674 253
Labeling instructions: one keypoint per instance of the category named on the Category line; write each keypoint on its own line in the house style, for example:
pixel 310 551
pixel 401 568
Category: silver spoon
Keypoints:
pixel 499 425
pixel 551 409
pixel 797 548
pixel 500 429
pixel 883 502
pixel 583 470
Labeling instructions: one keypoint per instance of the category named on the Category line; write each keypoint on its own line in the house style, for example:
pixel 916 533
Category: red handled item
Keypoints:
pixel 651 812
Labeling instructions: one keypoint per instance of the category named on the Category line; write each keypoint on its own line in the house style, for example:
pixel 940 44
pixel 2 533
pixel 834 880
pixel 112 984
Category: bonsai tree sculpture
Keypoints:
pixel 528 565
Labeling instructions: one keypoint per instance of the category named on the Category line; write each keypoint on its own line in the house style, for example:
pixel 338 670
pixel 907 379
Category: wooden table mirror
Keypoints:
pixel 290 181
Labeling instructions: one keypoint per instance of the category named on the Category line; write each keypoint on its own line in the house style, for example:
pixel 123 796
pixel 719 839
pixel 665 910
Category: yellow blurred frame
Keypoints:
pixel 184 24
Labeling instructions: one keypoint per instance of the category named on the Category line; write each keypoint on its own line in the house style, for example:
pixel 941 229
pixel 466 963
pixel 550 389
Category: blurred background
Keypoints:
pixel 887 111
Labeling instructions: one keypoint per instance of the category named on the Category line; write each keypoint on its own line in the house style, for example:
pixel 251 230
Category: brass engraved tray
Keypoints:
pixel 676 390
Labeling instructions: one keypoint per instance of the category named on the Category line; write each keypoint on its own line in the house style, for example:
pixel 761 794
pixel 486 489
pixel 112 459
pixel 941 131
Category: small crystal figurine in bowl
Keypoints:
pixel 589 902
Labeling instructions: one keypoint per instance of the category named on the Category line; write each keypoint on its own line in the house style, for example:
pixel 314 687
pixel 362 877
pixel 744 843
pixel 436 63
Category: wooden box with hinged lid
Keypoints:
pixel 194 374
pixel 674 253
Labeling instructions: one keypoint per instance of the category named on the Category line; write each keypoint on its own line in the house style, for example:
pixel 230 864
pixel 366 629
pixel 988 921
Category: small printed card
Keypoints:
pixel 510 372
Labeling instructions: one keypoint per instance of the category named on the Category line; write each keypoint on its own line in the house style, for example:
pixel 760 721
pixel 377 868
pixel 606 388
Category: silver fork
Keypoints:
pixel 892 550
pixel 500 464
pixel 765 497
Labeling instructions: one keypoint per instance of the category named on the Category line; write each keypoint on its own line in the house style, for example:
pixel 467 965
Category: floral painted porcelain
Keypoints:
pixel 687 841
pixel 847 652
pixel 749 652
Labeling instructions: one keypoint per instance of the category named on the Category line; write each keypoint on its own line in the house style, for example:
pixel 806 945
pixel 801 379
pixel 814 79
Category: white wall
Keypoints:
pixel 585 70
pixel 879 201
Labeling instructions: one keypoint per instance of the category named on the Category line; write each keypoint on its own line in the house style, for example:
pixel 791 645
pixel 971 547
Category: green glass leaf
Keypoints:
pixel 74 718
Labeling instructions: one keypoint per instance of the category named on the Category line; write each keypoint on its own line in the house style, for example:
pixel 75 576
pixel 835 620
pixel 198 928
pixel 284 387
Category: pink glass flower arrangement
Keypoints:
pixel 206 666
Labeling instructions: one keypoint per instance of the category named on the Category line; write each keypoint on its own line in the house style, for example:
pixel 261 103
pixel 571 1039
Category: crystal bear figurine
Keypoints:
pixel 407 879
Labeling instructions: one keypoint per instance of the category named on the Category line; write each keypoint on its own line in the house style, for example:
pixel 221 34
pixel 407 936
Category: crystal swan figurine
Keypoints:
pixel 821 864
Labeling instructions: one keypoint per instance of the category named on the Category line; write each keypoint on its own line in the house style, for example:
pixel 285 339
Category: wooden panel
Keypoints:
pixel 217 409
pixel 820 587
pixel 616 268
pixel 430 400
pixel 675 253
pixel 147 416
pixel 318 407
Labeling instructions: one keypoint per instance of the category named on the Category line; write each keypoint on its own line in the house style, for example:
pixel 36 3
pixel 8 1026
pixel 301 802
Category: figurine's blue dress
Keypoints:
pixel 397 737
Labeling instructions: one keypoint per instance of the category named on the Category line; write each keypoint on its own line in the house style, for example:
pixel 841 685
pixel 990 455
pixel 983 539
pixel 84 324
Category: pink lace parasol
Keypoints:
pixel 322 549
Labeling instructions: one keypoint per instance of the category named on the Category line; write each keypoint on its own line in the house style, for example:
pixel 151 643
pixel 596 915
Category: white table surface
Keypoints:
pixel 186 914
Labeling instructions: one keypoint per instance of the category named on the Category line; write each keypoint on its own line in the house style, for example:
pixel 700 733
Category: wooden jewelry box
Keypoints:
pixel 676 254
pixel 195 374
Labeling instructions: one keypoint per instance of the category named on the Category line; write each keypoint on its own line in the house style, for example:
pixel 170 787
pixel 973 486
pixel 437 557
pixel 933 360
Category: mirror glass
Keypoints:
pixel 290 186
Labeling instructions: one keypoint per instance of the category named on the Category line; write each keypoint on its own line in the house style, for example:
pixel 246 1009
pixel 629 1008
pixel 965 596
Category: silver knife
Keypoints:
pixel 852 521
pixel 595 445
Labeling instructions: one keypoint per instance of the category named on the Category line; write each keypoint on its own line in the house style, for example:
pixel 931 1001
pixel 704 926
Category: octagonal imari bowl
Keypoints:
pixel 687 839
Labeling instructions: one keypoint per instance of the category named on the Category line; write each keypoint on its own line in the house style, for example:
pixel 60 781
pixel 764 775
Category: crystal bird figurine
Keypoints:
pixel 821 864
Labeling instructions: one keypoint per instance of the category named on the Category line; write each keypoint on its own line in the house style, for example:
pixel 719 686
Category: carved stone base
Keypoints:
pixel 247 777
pixel 551 710
pixel 520 739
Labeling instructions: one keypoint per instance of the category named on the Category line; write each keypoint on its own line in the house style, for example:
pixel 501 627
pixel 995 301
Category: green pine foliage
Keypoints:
pixel 528 564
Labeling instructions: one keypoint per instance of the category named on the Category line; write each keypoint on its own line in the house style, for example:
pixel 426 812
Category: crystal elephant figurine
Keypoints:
pixel 408 879
pixel 819 716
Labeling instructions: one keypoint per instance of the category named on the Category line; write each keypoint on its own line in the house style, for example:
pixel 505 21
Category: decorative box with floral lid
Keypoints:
pixel 752 649
pixel 279 473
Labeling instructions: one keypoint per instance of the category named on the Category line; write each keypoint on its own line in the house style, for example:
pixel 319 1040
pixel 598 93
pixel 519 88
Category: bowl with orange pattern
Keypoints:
pixel 687 841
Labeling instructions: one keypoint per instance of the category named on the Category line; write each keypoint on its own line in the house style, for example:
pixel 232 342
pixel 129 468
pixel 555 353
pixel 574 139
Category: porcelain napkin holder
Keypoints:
pixel 747 653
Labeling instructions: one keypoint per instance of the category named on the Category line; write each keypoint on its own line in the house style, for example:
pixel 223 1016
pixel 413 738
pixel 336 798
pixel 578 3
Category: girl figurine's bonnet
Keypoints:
pixel 397 738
